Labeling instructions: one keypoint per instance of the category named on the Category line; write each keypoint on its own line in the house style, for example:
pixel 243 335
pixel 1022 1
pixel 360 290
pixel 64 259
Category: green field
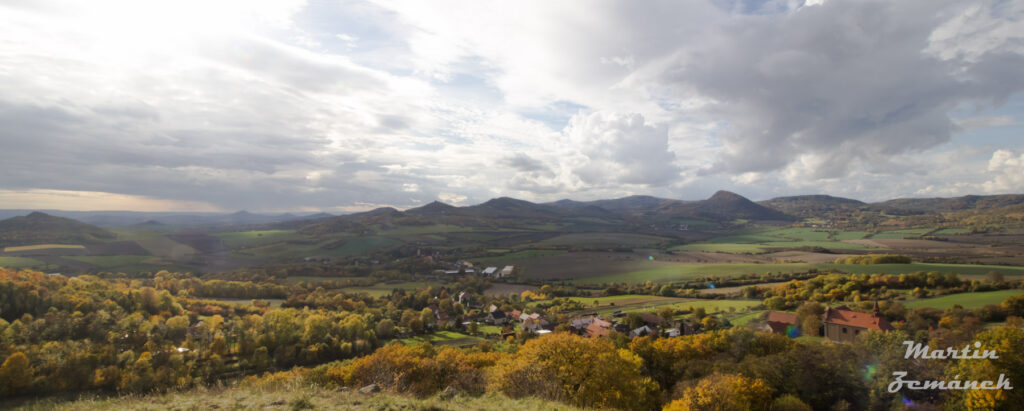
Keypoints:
pixel 240 239
pixel 108 261
pixel 965 300
pixel 745 318
pixel 691 271
pixel 733 248
pixel 952 231
pixel 755 241
pixel 900 234
pixel 651 303
pixel 518 255
pixel 20 262
pixel 604 239
pixel 443 338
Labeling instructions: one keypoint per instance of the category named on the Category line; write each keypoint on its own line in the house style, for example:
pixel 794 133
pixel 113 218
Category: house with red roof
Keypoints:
pixel 779 322
pixel 843 324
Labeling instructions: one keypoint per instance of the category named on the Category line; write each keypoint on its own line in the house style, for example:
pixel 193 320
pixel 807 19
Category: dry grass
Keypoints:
pixel 42 247
pixel 289 397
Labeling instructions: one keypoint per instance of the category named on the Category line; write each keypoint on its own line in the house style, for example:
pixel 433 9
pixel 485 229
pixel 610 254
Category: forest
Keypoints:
pixel 118 335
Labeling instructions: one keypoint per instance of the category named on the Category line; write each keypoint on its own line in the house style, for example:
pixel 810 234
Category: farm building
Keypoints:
pixel 507 271
pixel 843 324
pixel 779 322
pixel 489 271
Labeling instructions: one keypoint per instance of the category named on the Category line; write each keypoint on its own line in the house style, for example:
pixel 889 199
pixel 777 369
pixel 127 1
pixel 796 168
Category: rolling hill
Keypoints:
pixel 42 228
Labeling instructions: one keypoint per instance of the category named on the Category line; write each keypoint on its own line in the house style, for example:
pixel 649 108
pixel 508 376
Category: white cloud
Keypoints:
pixel 1006 170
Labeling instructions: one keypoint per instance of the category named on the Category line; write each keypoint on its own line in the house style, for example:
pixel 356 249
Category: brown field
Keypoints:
pixel 585 264
pixel 506 289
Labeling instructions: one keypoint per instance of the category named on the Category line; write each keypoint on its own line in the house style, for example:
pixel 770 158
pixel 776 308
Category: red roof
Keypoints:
pixel 595 329
pixel 781 317
pixel 856 319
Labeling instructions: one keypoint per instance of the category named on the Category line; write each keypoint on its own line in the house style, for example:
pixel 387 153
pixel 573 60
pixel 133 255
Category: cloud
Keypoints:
pixel 1006 170
pixel 841 82
pixel 296 105
pixel 620 149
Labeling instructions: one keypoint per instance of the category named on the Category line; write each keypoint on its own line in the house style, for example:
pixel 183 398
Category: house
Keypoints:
pixel 843 324
pixel 515 315
pixel 780 322
pixel 598 328
pixel 642 331
pixel 489 271
pixel 580 324
pixel 535 325
pixel 507 271
pixel 496 317
pixel 673 332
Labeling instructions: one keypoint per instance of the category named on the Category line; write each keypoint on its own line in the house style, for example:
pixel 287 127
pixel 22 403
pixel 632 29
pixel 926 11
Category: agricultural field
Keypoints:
pixel 901 234
pixel 43 247
pixel 759 241
pixel 244 239
pixel 20 262
pixel 965 300
pixel 503 290
pixel 651 303
pixel 684 272
pixel 516 256
pixel 110 261
pixel 274 302
pixel 443 338
pixel 605 239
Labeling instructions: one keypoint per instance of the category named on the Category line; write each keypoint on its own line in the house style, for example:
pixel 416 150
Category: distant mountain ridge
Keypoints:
pixel 505 211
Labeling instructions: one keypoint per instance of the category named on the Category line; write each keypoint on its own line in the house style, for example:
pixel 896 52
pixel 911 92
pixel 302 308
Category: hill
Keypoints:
pixel 938 205
pixel 810 206
pixel 41 228
pixel 723 206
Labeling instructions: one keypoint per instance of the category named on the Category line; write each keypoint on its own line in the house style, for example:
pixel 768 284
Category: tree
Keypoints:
pixel 809 317
pixel 15 373
pixel 585 372
pixel 725 392
pixel 385 328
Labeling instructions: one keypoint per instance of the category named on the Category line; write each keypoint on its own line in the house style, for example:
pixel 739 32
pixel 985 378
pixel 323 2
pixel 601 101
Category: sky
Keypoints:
pixel 341 106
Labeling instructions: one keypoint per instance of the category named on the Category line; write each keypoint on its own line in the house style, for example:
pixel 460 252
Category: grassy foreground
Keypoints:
pixel 287 397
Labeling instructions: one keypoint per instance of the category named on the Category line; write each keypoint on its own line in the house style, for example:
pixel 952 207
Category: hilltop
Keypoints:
pixel 42 228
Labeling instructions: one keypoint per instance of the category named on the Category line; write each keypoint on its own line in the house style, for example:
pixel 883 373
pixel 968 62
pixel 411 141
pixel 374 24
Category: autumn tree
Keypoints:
pixel 15 373
pixel 724 392
pixel 580 371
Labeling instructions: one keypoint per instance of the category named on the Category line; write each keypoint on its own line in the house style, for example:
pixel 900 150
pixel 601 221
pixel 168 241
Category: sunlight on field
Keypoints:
pixel 42 247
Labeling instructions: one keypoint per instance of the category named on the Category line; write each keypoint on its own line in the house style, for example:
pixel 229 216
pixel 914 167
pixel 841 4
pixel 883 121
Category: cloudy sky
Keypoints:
pixel 290 105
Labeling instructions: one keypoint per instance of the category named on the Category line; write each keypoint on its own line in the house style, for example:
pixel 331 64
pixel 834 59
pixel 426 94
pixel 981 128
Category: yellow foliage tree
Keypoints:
pixel 15 373
pixel 724 392
pixel 580 371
